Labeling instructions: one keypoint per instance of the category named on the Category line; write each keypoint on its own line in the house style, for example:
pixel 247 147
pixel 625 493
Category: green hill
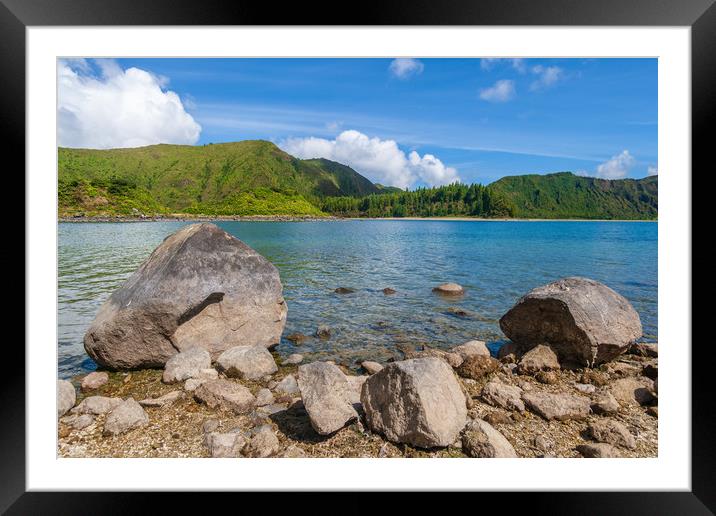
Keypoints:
pixel 565 195
pixel 242 178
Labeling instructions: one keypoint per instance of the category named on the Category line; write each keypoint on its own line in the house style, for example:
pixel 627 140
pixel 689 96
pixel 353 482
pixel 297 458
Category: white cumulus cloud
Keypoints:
pixel 382 161
pixel 546 76
pixel 404 68
pixel 617 167
pixel 118 108
pixel 652 171
pixel 502 91
pixel 487 63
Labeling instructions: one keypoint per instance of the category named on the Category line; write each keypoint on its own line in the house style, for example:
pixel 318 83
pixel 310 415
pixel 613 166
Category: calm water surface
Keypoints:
pixel 497 262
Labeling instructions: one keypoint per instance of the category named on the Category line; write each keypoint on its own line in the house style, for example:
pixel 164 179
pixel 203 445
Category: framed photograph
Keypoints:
pixel 452 237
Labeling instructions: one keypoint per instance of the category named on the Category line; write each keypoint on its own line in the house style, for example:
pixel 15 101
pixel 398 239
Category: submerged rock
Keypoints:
pixel 297 338
pixel 323 332
pixel 66 397
pixel 200 287
pixel 246 362
pixel 481 440
pixel 582 320
pixel 327 396
pixel 344 290
pixel 449 289
pixel 417 401
pixel 94 380
pixel 388 291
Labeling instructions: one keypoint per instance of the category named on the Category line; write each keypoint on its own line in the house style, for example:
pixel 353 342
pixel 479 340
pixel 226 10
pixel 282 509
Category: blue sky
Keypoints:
pixel 472 119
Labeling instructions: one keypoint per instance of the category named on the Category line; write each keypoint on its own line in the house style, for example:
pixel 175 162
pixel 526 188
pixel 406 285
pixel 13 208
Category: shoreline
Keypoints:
pixel 310 218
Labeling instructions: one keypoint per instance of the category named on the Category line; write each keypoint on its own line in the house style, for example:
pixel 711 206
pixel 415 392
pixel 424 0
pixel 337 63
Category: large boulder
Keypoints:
pixel 327 396
pixel 417 401
pixel 582 320
pixel 200 287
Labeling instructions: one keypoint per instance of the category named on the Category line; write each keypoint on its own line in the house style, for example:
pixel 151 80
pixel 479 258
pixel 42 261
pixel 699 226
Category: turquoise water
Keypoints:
pixel 496 262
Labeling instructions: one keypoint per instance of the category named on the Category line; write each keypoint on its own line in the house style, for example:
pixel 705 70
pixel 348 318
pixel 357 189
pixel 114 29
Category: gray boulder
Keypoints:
pixel 263 443
pixel 417 401
pixel 66 397
pixel 128 415
pixel 200 287
pixel 481 440
pixel 327 396
pixel 264 397
pixel 226 395
pixel 557 406
pixel 584 321
pixel 246 362
pixel 185 365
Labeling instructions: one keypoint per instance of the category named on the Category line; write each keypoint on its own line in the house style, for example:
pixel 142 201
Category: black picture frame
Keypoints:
pixel 700 15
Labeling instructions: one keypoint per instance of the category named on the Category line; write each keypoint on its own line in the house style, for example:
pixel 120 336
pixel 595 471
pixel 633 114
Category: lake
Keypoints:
pixel 495 261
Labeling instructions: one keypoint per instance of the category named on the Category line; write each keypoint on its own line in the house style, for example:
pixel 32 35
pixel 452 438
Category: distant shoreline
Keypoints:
pixel 297 218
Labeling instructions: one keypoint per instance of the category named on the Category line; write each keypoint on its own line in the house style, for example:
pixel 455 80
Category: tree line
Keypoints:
pixel 455 199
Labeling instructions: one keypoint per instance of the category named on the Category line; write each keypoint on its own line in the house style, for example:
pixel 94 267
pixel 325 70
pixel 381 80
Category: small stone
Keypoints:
pixel 653 411
pixel 274 408
pixel 82 421
pixel 505 396
pixel 225 445
pixel 371 367
pixel 288 385
pixel 477 366
pixel 293 452
pixel 586 388
pixel 127 378
pixel 293 359
pixel 481 440
pixel 186 364
pixel 644 349
pixel 611 432
pixel 624 369
pixel 497 418
pixel 226 395
pixel 192 383
pixel 323 332
pixel 547 377
pixel 384 450
pixel 126 416
pixel 64 431
pixel 264 443
pixel 66 397
pixel 605 403
pixel 633 391
pixel 542 443
pixel 594 377
pixel 473 347
pixel 246 362
pixel 162 401
pixel 264 397
pixel 208 374
pixel 598 451
pixel 97 405
pixel 449 289
pixel 559 406
pixel 539 358
pixel 94 380
pixel 210 425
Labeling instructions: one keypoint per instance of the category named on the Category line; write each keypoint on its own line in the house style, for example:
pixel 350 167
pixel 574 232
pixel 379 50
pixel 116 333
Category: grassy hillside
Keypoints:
pixel 232 178
pixel 565 195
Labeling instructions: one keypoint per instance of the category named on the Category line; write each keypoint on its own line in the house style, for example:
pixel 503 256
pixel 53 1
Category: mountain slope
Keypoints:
pixel 565 195
pixel 208 179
